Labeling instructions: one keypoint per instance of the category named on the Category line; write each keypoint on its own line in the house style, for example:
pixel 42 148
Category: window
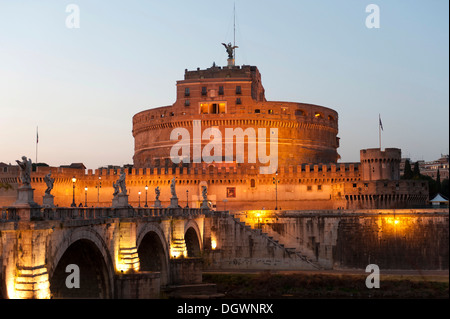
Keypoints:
pixel 319 187
pixel 213 108
pixel 270 112
pixel 231 192
pixel 204 92
pixel 300 113
pixel 238 89
pixel 309 188
pixel 187 103
pixel 238 100
pixel 318 115
pixel 257 111
pixel 330 117
pixel 354 185
pixel 252 183
pixel 172 113
pixel 187 92
pixel 221 92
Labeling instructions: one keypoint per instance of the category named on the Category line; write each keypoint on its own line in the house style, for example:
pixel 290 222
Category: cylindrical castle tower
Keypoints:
pixel 234 98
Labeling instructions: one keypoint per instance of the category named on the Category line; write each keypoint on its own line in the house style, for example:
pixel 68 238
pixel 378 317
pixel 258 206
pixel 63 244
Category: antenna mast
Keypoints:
pixel 234 30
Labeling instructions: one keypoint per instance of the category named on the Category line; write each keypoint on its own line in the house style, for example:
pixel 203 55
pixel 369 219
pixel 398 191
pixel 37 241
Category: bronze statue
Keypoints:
pixel 230 49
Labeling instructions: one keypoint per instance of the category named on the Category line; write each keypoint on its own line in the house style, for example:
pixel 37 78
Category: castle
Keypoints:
pixel 224 121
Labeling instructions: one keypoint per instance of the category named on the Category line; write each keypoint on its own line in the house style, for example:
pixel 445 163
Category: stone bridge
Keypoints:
pixel 125 252
pixel 146 252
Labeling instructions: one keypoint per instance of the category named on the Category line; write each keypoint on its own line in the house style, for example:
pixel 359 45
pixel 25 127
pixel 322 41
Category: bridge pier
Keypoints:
pixel 127 255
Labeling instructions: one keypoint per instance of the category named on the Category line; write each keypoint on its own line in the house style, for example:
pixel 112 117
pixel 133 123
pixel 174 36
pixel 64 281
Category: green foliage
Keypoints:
pixel 416 171
pixel 445 188
pixel 5 186
pixel 408 173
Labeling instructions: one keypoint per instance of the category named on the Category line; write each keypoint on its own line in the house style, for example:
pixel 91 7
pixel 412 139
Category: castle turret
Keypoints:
pixel 380 165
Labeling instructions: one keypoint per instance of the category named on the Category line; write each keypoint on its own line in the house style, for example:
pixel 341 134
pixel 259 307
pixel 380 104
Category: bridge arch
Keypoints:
pixel 193 239
pixel 85 248
pixel 153 251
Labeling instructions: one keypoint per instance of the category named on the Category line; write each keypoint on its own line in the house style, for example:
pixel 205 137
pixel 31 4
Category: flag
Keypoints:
pixel 381 124
pixel 37 135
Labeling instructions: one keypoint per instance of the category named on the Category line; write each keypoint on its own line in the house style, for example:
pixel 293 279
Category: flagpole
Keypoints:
pixel 379 129
pixel 37 142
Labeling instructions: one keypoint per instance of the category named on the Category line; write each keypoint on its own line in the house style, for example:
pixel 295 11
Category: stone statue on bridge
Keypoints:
pixel 205 198
pixel 49 182
pixel 174 198
pixel 25 171
pixel 120 199
pixel 172 188
pixel 157 192
pixel 157 201
pixel 48 200
pixel 25 195
pixel 121 182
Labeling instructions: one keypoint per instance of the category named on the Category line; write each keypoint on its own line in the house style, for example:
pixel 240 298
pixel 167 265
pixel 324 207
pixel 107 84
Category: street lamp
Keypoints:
pixel 85 196
pixel 187 198
pixel 275 181
pixel 99 185
pixel 146 189
pixel 139 198
pixel 73 193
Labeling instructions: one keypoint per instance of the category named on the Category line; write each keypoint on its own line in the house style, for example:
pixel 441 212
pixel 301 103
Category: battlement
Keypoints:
pixel 214 72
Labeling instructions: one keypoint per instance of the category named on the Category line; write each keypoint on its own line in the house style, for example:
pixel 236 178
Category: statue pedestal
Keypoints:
pixel 48 201
pixel 157 204
pixel 230 62
pixel 120 201
pixel 25 197
pixel 173 202
pixel 204 205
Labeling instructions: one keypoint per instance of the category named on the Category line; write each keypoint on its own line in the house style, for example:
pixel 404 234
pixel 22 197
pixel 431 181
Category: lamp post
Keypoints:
pixel 276 190
pixel 139 199
pixel 187 198
pixel 146 189
pixel 99 185
pixel 73 192
pixel 85 196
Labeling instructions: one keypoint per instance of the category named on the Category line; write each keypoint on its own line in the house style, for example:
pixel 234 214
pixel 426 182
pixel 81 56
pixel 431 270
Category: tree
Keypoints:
pixel 416 171
pixel 445 188
pixel 407 173
pixel 6 186
pixel 438 181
